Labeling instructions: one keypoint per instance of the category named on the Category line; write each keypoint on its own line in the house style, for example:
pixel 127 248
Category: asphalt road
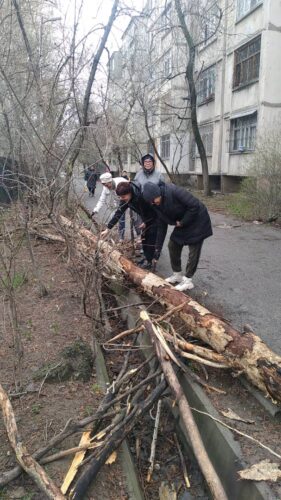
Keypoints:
pixel 239 274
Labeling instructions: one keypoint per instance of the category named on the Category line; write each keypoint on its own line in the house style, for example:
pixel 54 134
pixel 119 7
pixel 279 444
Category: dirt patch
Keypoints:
pixel 49 325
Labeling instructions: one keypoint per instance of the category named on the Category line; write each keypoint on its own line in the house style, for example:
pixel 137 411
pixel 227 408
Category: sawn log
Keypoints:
pixel 245 352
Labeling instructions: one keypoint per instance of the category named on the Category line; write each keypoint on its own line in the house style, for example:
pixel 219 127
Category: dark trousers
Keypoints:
pixel 121 226
pixel 148 241
pixel 175 251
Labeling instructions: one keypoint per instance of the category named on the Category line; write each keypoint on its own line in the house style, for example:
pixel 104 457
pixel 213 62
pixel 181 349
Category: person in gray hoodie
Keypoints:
pixel 148 173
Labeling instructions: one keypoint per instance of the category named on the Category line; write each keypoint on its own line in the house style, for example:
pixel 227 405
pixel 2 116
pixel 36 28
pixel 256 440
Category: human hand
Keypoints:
pixel 142 226
pixel 104 233
pixel 178 223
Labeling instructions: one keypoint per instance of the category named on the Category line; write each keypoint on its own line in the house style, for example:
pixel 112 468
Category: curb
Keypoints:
pixel 224 451
pixel 133 486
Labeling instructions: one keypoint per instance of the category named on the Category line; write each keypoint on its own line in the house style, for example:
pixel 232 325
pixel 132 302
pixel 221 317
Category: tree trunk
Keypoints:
pixel 245 352
pixel 189 74
pixel 84 119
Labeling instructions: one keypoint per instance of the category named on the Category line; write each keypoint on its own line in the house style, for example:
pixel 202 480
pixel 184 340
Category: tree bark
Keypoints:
pixel 200 453
pixel 23 457
pixel 246 353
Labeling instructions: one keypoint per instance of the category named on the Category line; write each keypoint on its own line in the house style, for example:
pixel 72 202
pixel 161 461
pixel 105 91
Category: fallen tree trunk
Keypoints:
pixel 26 461
pixel 191 428
pixel 246 352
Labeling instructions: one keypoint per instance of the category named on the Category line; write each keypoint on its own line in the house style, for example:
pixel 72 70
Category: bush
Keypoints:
pixel 260 193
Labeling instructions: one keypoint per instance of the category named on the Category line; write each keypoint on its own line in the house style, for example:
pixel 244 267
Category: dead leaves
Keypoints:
pixel 263 471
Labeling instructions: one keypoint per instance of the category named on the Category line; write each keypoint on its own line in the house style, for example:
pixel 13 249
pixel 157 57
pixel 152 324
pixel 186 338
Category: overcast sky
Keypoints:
pixel 98 12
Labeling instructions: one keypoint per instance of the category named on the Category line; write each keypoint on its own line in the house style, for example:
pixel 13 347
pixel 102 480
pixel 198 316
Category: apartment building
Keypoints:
pixel 237 73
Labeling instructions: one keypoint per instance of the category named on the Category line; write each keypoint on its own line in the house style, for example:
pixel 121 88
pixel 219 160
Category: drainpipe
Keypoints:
pixel 221 124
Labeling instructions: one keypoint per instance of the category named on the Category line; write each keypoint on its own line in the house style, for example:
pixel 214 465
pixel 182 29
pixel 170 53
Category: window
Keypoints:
pixel 165 147
pixel 206 132
pixel 167 64
pixel 247 63
pixel 206 89
pixel 210 23
pixel 245 6
pixel 243 133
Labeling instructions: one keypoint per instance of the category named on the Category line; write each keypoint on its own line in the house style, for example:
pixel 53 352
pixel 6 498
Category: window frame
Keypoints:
pixel 165 146
pixel 213 13
pixel 209 127
pixel 241 13
pixel 243 133
pixel 243 65
pixel 210 96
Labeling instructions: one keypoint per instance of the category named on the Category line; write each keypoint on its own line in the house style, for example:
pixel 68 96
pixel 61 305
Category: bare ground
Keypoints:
pixel 48 325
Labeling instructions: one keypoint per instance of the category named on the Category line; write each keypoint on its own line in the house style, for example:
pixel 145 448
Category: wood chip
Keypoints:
pixel 233 416
pixel 112 458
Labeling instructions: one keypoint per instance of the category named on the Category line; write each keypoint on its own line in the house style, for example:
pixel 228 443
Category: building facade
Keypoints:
pixel 237 74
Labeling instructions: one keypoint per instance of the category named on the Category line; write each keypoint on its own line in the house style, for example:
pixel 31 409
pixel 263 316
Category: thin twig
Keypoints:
pixel 237 432
pixel 126 306
pixel 183 464
pixel 154 441
pixel 171 312
pixel 124 334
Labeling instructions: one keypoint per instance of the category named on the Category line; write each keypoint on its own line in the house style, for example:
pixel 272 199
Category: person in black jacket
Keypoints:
pixel 131 197
pixel 91 178
pixel 177 207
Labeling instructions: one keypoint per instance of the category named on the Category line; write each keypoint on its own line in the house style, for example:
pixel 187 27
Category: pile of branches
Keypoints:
pixel 132 394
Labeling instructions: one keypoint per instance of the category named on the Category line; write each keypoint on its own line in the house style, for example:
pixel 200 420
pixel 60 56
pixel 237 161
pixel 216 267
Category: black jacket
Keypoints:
pixel 137 204
pixel 91 178
pixel 180 205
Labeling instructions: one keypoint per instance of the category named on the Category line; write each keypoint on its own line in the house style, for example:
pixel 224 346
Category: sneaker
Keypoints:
pixel 175 278
pixel 185 284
